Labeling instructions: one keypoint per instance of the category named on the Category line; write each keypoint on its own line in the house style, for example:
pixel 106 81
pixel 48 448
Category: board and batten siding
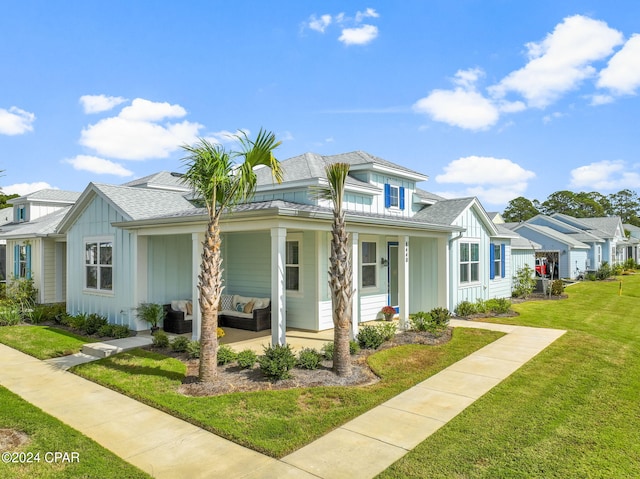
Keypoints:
pixel 521 258
pixel 425 269
pixel 500 287
pixel 119 306
pixel 169 268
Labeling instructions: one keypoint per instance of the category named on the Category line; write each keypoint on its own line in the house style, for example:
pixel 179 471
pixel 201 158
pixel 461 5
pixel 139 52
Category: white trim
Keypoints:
pixel 295 237
pixel 361 265
pixel 97 290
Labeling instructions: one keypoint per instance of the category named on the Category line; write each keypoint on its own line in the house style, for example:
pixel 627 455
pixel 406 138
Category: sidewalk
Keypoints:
pixel 167 447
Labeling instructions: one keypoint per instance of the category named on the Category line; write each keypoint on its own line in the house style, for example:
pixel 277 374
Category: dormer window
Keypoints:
pixel 393 196
pixel 21 213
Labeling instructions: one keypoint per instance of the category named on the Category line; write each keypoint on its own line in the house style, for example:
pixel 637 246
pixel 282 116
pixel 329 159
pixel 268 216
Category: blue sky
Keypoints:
pixel 493 98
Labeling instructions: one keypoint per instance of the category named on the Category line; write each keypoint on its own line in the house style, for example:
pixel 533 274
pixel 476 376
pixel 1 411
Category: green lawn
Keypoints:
pixel 278 422
pixel 571 412
pixel 48 435
pixel 42 342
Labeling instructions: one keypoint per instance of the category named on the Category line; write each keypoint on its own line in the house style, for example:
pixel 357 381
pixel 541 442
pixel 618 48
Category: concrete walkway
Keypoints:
pixel 167 447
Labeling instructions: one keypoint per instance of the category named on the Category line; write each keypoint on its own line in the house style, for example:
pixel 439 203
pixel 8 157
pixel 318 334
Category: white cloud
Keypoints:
pixel 601 99
pixel 553 116
pixel 100 103
pixel 135 134
pixel 319 24
pixel 359 35
pixel 26 188
pixel 606 175
pixel 15 121
pixel 622 74
pixel 368 13
pixel 100 166
pixel 561 61
pixel 459 107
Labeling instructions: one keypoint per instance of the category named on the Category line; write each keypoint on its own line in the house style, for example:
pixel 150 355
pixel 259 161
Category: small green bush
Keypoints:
pixel 226 355
pixel 277 361
pixel 498 305
pixel 193 349
pixel 327 350
pixel 480 305
pixel 434 322
pixel 465 308
pixel 10 315
pixel 372 336
pixel 120 331
pixel 354 347
pixel 420 321
pixel 160 339
pixel 441 316
pixel 524 282
pixel 77 321
pixel 106 330
pixel 557 287
pixel 246 359
pixel 309 358
pixel 93 323
pixel 179 344
pixel 604 271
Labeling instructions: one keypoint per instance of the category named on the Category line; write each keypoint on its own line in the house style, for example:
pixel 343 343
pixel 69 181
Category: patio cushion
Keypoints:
pixel 179 305
pixel 248 308
pixel 226 302
pixel 236 314
pixel 259 303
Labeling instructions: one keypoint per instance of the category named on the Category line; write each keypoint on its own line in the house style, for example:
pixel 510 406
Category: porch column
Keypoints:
pixel 196 260
pixel 403 281
pixel 355 266
pixel 278 286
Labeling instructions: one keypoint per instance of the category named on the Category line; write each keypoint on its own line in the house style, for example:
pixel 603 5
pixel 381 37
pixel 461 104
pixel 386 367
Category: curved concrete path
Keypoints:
pixel 167 447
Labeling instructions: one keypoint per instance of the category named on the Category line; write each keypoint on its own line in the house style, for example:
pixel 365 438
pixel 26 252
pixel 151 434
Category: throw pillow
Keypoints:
pixel 189 308
pixel 248 308
pixel 240 307
pixel 227 302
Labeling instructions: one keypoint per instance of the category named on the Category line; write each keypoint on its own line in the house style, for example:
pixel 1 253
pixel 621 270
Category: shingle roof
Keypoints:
pixel 139 203
pixel 551 233
pixel 444 212
pixel 162 180
pixel 45 225
pixel 6 215
pixel 426 195
pixel 607 224
pixel 51 195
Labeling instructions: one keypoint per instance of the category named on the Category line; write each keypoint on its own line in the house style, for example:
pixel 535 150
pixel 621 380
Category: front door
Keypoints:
pixel 392 254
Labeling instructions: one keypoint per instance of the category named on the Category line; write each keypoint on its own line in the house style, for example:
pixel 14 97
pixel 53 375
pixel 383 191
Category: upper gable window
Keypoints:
pixel 393 196
pixel 21 213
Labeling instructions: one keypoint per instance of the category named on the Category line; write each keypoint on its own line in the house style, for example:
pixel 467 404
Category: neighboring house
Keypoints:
pixel 608 229
pixel 563 249
pixel 523 250
pixel 33 248
pixel 633 249
pixel 6 216
pixel 411 249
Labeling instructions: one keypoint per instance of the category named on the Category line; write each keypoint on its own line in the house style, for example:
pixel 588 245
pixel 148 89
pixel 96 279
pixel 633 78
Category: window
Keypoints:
pixel 469 262
pixel 497 255
pixel 22 213
pixel 22 261
pixel 99 265
pixel 393 196
pixel 293 265
pixel 368 264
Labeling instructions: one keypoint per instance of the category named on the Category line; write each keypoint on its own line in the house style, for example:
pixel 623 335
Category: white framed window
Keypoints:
pixel 497 261
pixel 21 213
pixel 369 264
pixel 98 265
pixel 469 262
pixel 292 265
pixel 393 196
pixel 22 261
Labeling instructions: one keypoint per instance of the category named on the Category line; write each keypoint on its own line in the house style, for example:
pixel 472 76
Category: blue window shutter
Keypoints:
pixel 16 260
pixel 492 259
pixel 401 193
pixel 387 195
pixel 28 265
pixel 502 260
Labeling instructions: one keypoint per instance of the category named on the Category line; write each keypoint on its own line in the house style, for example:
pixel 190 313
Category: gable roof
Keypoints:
pixel 42 226
pixel 446 212
pixel 132 203
pixel 163 180
pixel 553 234
pixel 604 227
pixel 47 196
pixel 426 197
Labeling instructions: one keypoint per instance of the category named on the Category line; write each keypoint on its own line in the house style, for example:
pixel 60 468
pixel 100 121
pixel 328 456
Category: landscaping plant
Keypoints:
pixel 277 361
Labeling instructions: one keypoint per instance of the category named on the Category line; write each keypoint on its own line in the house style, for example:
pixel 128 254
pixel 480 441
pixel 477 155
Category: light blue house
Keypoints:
pixel 413 250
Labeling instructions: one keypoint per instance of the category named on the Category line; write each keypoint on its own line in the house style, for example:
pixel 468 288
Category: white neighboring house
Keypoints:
pixel 33 248
pixel 6 216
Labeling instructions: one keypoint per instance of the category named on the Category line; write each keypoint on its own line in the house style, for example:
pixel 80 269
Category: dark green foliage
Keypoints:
pixel 9 314
pixel 77 321
pixel 498 305
pixel 604 271
pixel 372 336
pixel 160 340
pixel 435 321
pixel 557 287
pixel 226 355
pixel 93 323
pixel 465 309
pixel 246 359
pixel 179 344
pixel 524 282
pixel 441 316
pixel 309 358
pixel 354 347
pixel 277 361
pixel 106 331
pixel 193 349
pixel 120 331
pixel 327 350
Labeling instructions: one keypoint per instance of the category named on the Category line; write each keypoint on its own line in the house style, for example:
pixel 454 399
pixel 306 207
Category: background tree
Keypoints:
pixel 5 198
pixel 222 182
pixel 519 209
pixel 340 269
pixel 626 205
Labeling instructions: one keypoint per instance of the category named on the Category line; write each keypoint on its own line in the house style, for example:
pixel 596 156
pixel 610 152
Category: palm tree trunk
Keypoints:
pixel 340 283
pixel 210 289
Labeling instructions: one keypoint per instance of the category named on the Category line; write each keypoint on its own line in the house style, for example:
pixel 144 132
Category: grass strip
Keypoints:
pixel 42 342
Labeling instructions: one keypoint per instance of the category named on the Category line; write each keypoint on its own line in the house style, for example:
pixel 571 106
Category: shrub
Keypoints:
pixel 246 359
pixel 179 344
pixel 557 287
pixel 590 277
pixel 9 315
pixel 354 347
pixel 160 340
pixel 93 323
pixel 119 331
pixel 309 358
pixel 604 271
pixel 441 316
pixel 226 355
pixel 630 264
pixel 327 350
pixel 498 305
pixel 420 321
pixel 22 292
pixel 617 270
pixel 277 361
pixel 106 330
pixel 77 322
pixel 480 306
pixel 37 315
pixel 193 349
pixel 372 336
pixel 435 321
pixel 524 282
pixel 465 308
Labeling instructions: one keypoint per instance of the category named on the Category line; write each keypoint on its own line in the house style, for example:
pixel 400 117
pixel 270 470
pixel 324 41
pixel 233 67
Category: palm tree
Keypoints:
pixel 340 269
pixel 222 183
